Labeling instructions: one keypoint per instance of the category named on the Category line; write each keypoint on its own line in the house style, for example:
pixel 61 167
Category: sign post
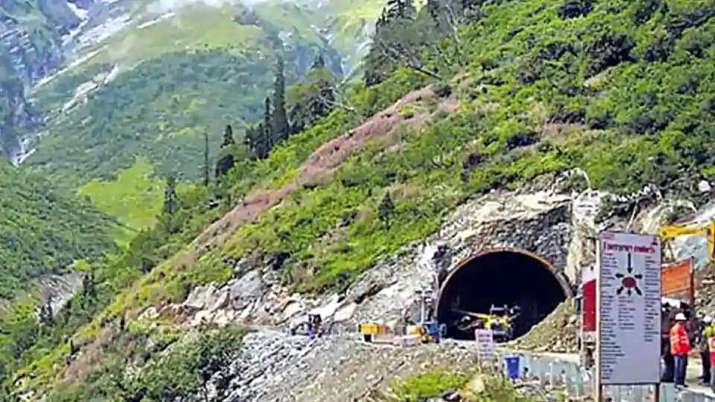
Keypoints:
pixel 628 322
pixel 588 316
pixel 486 350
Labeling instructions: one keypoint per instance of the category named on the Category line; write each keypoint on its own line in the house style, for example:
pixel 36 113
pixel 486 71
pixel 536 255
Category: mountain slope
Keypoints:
pixel 621 90
pixel 173 72
pixel 43 230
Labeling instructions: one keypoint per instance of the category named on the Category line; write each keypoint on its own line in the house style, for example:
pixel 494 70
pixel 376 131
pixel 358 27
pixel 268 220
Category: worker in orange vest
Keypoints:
pixel 680 347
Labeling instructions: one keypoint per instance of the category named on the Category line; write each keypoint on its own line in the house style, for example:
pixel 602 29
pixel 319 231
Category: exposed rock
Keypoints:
pixel 277 367
pixel 201 297
pixel 345 313
pixel 60 289
pixel 246 290
pixel 704 187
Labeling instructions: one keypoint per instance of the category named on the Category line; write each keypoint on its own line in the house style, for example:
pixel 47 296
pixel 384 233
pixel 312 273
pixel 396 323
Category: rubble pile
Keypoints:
pixel 278 367
pixel 557 333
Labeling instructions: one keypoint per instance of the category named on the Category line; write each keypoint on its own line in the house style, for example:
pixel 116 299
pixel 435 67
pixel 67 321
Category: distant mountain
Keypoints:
pixel 94 85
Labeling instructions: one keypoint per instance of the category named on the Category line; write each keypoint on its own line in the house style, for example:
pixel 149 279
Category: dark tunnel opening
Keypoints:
pixel 499 278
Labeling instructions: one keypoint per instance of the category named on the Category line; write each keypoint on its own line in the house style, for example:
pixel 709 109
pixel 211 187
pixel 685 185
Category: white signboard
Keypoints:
pixel 486 350
pixel 629 309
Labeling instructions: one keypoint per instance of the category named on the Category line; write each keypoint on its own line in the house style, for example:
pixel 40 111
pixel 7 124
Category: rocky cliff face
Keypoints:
pixel 36 39
pixel 29 51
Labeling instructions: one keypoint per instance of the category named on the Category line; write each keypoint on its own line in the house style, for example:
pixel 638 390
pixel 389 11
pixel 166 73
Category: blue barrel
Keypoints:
pixel 512 367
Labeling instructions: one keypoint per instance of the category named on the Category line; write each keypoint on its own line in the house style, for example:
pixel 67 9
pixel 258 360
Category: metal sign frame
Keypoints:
pixel 599 386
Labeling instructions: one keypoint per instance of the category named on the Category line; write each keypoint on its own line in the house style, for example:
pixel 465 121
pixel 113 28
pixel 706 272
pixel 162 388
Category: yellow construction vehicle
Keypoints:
pixel 370 330
pixel 669 233
pixel 499 321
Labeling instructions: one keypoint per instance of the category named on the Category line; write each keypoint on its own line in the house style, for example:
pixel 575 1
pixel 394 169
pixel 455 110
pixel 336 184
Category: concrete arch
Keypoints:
pixel 511 277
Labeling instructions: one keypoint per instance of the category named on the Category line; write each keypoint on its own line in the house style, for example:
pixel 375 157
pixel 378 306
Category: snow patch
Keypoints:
pixel 70 66
pixel 105 31
pixel 80 13
pixel 157 20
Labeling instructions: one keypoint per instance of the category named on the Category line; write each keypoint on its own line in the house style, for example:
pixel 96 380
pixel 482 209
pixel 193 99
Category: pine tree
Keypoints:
pixel 171 200
pixel 280 128
pixel 228 139
pixel 267 131
pixel 314 98
pixel 46 315
pixel 391 40
pixel 207 177
pixel 88 291
pixel 386 209
pixel 250 140
pixel 319 62
pixel 401 9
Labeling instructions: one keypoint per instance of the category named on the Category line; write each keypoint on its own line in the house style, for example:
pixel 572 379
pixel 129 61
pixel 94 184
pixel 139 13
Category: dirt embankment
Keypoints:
pixel 557 333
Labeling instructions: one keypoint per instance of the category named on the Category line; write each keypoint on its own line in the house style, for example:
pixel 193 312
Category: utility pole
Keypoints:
pixel 425 297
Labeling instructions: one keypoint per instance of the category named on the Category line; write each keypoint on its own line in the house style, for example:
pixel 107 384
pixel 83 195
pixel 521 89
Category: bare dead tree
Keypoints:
pixel 398 53
pixel 448 20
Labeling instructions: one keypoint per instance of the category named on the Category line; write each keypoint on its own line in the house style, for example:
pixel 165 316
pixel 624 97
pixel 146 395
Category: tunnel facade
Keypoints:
pixel 524 283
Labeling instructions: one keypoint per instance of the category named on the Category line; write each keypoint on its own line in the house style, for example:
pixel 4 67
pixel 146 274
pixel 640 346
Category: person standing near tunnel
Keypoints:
pixel 680 347
pixel 704 335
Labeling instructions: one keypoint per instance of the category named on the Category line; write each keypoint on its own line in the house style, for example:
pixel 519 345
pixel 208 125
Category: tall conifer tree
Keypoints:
pixel 279 119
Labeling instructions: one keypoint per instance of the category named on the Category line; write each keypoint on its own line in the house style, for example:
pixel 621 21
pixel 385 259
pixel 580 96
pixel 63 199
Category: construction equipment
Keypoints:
pixel 669 233
pixel 499 320
pixel 371 330
pixel 428 331
pixel 434 332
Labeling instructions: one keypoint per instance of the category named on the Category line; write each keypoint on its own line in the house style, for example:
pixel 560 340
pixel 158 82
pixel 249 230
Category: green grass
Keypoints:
pixel 287 17
pixel 193 28
pixel 432 384
pixel 135 197
pixel 427 385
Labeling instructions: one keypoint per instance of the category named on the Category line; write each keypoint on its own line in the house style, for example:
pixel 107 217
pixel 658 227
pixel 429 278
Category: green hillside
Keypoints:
pixel 621 89
pixel 163 83
pixel 160 110
pixel 43 230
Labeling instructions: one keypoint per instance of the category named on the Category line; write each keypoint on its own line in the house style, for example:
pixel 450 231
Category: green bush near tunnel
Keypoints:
pixel 427 385
pixel 433 384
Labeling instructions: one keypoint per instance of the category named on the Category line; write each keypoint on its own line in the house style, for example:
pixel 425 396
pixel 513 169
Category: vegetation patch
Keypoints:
pixel 43 230
pixel 480 387
pixel 135 197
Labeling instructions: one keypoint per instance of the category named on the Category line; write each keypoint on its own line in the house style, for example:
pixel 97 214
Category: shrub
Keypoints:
pixel 575 8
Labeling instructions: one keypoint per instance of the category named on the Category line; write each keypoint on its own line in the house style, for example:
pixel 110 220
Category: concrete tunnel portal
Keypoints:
pixel 500 278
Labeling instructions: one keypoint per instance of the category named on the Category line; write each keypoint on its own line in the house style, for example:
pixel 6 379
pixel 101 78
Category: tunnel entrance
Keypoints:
pixel 498 279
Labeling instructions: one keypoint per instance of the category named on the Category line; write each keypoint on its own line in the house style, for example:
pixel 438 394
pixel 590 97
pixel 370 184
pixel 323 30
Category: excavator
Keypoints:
pixel 669 233
pixel 500 320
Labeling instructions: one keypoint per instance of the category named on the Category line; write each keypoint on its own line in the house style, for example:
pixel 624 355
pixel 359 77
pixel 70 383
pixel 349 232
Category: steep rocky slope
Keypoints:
pixel 563 118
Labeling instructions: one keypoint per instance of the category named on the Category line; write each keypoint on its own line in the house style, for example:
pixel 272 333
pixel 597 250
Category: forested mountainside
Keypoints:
pixel 43 230
pixel 139 85
pixel 493 95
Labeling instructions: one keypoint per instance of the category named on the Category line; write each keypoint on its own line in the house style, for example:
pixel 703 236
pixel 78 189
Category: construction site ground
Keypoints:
pixel 276 366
